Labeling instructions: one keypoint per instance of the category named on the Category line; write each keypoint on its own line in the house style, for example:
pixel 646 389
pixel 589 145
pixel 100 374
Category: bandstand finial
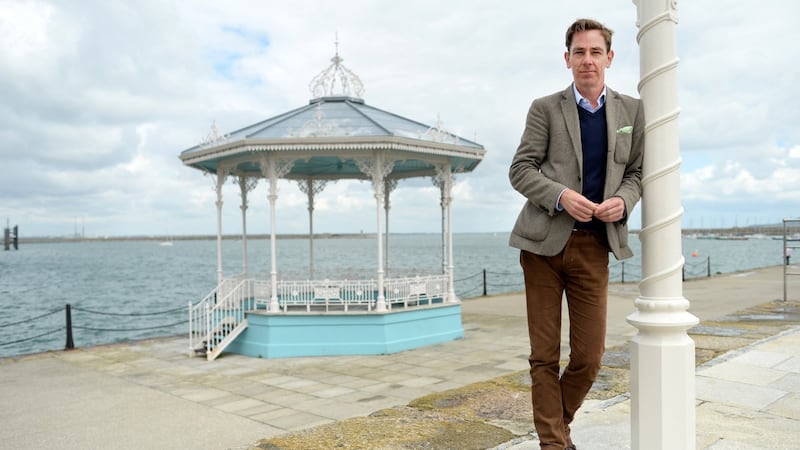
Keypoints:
pixel 337 80
pixel 214 137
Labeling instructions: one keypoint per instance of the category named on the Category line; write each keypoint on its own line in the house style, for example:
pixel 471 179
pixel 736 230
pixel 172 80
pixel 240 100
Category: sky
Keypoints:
pixel 99 97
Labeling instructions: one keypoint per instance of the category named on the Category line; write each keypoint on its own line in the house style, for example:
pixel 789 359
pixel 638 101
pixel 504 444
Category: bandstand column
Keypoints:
pixel 388 186
pixel 378 169
pixel 444 179
pixel 222 175
pixel 448 199
pixel 662 353
pixel 438 182
pixel 311 188
pixel 245 186
pixel 272 168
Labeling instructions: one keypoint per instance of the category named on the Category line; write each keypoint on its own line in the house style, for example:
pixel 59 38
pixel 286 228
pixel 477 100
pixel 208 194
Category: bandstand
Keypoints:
pixel 336 136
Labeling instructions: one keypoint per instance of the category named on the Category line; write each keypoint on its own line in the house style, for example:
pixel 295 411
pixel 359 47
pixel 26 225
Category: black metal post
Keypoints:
pixel 708 265
pixel 484 282
pixel 622 276
pixel 70 344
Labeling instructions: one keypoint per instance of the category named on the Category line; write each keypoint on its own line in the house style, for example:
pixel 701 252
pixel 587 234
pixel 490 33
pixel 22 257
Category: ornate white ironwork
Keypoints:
pixel 318 126
pixel 311 187
pixel 377 169
pixel 214 137
pixel 337 80
pixel 438 134
pixel 217 178
pixel 415 291
pixel 389 185
pixel 280 167
pixel 308 295
pixel 441 178
pixel 246 184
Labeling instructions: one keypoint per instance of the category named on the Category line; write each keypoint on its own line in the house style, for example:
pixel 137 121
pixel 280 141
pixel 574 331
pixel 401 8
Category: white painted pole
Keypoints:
pixel 378 169
pixel 387 190
pixel 440 181
pixel 377 183
pixel 451 292
pixel 310 188
pixel 443 204
pixel 662 353
pixel 220 181
pixel 243 188
pixel 272 168
pixel 273 272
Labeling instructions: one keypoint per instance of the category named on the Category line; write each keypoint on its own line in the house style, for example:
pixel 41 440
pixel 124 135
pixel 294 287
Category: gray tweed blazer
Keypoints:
pixel 550 158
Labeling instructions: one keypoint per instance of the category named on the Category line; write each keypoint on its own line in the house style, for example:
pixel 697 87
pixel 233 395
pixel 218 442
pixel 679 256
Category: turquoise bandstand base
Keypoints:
pixel 283 335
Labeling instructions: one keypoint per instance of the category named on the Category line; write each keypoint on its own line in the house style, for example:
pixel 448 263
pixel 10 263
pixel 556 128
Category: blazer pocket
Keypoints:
pixel 622 149
pixel 533 223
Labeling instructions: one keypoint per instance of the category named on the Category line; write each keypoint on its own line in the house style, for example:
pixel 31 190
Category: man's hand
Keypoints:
pixel 611 210
pixel 579 207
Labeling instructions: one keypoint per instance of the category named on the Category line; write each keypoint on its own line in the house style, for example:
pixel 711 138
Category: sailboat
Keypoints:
pixel 167 243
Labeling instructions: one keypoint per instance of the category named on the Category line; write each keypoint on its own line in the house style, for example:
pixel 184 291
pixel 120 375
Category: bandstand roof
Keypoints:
pixel 325 137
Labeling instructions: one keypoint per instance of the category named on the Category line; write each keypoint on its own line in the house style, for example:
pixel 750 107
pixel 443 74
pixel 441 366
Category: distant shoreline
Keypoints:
pixel 768 230
pixel 199 237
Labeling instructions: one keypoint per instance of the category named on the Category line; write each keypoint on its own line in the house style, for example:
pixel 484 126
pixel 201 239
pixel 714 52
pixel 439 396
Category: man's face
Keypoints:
pixel 589 60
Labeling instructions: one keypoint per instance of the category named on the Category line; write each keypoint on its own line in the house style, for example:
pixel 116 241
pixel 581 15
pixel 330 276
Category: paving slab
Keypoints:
pixel 150 394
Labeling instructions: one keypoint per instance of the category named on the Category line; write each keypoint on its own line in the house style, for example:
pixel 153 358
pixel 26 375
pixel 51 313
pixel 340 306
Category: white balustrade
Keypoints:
pixel 310 295
pixel 224 308
pixel 217 315
pixel 262 290
pixel 359 293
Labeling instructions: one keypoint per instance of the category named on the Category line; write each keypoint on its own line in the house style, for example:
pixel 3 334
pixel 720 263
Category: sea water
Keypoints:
pixel 124 290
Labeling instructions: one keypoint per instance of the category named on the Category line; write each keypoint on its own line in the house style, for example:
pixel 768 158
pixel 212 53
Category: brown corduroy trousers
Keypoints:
pixel 580 271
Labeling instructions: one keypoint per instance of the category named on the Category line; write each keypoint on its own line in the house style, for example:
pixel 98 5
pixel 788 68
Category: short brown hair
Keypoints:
pixel 586 25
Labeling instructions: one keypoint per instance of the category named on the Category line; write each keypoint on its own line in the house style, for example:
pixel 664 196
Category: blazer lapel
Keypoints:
pixel 569 109
pixel 613 119
pixel 613 111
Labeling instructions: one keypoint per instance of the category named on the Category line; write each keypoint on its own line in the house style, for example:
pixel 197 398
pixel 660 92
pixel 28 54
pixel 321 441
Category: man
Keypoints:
pixel 579 165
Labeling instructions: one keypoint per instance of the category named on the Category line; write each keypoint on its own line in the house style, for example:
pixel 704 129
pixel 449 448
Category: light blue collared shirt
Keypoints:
pixel 583 103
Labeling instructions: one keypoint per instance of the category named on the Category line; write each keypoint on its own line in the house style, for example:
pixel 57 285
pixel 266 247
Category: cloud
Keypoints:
pixel 100 97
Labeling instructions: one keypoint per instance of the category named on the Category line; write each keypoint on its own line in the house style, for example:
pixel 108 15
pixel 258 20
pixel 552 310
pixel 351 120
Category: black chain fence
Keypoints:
pixel 478 284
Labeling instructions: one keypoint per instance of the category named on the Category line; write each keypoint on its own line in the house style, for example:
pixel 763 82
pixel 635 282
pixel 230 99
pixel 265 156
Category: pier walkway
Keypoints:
pixel 150 394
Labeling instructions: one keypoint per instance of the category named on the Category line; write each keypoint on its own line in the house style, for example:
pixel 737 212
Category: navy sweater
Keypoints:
pixel 594 140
